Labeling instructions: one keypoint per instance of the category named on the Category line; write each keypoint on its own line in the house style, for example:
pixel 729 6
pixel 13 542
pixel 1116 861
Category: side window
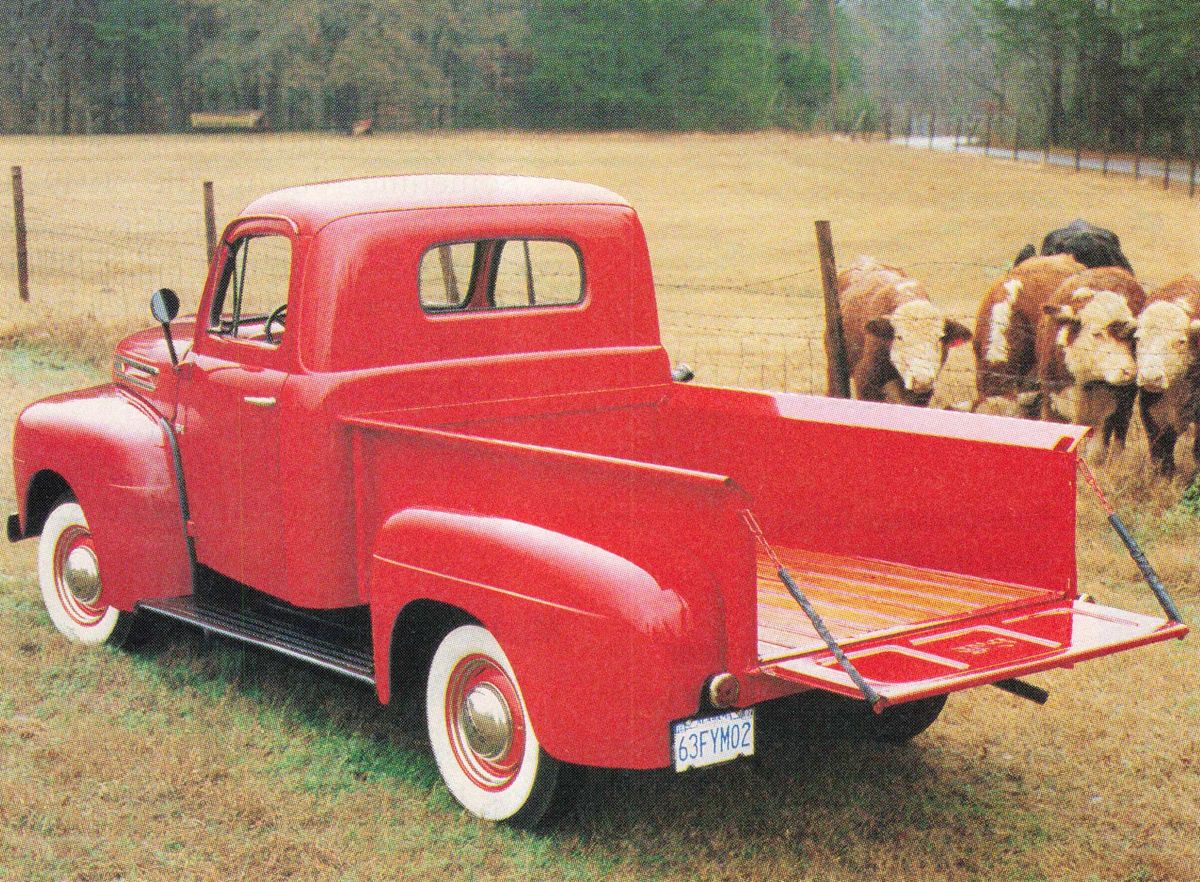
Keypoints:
pixel 446 275
pixel 537 272
pixel 254 285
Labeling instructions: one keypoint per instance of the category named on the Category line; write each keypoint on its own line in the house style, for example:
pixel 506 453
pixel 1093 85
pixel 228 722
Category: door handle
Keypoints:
pixel 258 401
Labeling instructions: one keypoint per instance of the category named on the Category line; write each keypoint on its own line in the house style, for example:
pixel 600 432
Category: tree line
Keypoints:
pixel 1089 72
pixel 1105 71
pixel 1092 73
pixel 145 65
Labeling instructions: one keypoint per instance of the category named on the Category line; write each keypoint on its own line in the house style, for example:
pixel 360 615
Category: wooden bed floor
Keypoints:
pixel 858 596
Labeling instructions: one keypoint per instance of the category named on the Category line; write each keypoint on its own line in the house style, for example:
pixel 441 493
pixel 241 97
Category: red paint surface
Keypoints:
pixel 535 468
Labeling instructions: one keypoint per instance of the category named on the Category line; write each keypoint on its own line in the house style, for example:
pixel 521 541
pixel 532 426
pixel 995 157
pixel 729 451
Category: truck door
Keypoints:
pixel 230 405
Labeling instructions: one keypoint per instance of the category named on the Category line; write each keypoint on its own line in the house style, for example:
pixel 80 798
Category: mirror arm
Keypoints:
pixel 170 345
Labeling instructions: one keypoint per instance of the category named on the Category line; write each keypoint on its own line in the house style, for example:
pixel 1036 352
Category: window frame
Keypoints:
pixel 472 282
pixel 215 325
pixel 485 265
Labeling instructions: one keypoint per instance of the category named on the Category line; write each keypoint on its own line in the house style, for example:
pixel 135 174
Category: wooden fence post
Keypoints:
pixel 1137 156
pixel 908 128
pixel 18 186
pixel 210 220
pixel 1107 152
pixel 932 126
pixel 838 370
pixel 1166 183
pixel 958 131
pixel 987 135
pixel 1078 153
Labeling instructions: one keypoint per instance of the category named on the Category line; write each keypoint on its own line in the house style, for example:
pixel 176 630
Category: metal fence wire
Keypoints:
pixel 92 269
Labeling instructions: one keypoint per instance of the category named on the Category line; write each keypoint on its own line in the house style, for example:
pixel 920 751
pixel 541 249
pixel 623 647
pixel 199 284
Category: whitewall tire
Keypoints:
pixel 69 575
pixel 481 734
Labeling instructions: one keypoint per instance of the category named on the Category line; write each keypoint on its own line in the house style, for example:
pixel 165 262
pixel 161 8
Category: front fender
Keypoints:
pixel 112 451
pixel 606 657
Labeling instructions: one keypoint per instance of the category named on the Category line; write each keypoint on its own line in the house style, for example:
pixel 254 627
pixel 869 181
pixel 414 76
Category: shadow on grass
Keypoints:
pixel 823 806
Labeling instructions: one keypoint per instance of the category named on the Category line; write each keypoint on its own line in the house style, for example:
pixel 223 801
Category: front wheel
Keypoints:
pixel 69 575
pixel 481 734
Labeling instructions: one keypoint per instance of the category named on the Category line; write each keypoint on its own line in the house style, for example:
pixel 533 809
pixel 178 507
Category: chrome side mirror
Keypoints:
pixel 164 306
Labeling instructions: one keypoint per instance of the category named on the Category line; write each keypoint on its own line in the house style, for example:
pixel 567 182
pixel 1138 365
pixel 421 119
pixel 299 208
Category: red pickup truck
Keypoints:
pixel 422 432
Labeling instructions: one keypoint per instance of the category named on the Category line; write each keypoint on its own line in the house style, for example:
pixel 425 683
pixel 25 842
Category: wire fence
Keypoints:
pixel 93 263
pixel 92 267
pixel 1009 136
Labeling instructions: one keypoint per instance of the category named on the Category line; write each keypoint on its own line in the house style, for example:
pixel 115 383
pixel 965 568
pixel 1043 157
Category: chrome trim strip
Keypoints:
pixel 185 513
pixel 140 365
pixel 135 382
pixel 121 367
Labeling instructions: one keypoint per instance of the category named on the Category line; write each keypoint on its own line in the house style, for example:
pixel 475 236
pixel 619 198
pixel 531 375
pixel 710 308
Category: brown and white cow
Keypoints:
pixel 1005 333
pixel 1086 364
pixel 1168 368
pixel 896 338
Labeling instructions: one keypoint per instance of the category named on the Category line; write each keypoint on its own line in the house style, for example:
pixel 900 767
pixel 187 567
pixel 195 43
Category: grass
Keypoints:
pixel 189 759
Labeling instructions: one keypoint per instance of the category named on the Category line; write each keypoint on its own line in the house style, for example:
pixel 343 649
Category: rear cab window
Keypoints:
pixel 494 274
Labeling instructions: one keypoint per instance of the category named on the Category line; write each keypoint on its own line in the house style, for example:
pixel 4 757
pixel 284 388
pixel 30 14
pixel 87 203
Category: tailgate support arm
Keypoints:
pixel 873 698
pixel 1021 689
pixel 1151 577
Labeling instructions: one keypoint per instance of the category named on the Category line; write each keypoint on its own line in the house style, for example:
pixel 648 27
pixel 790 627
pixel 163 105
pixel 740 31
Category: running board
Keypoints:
pixel 290 636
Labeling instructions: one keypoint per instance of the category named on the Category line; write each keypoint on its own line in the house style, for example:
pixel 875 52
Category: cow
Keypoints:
pixel 1168 368
pixel 1086 365
pixel 1093 246
pixel 896 338
pixel 1005 330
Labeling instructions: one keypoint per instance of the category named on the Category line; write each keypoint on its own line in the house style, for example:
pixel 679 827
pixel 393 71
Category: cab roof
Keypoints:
pixel 312 206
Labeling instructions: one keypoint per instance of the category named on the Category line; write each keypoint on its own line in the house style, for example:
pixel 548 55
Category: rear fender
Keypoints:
pixel 112 452
pixel 606 657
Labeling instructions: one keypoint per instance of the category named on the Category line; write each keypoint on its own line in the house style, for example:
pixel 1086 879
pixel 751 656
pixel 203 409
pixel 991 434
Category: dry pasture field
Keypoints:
pixel 189 759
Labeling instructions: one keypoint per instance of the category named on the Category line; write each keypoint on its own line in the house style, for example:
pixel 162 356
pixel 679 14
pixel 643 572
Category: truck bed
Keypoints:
pixel 938 548
pixel 859 598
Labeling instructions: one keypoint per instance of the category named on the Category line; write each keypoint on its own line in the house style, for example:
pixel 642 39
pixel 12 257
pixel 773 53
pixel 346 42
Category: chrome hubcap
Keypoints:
pixel 487 721
pixel 81 573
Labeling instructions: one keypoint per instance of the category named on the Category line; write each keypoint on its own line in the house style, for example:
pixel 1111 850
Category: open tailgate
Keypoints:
pixel 948 657
pixel 923 552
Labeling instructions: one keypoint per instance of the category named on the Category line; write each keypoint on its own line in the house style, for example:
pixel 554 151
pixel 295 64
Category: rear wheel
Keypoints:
pixel 822 715
pixel 897 724
pixel 69 575
pixel 481 734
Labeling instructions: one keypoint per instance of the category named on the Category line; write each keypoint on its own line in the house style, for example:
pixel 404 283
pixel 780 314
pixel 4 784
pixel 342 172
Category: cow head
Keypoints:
pixel 918 334
pixel 1095 333
pixel 1167 337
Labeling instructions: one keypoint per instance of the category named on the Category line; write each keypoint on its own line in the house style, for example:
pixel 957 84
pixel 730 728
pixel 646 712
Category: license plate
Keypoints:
pixel 712 740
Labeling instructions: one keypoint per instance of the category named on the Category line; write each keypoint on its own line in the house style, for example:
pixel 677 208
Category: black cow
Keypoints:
pixel 1092 246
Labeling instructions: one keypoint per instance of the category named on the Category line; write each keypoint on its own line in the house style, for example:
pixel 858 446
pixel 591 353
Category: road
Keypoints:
pixel 1150 167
